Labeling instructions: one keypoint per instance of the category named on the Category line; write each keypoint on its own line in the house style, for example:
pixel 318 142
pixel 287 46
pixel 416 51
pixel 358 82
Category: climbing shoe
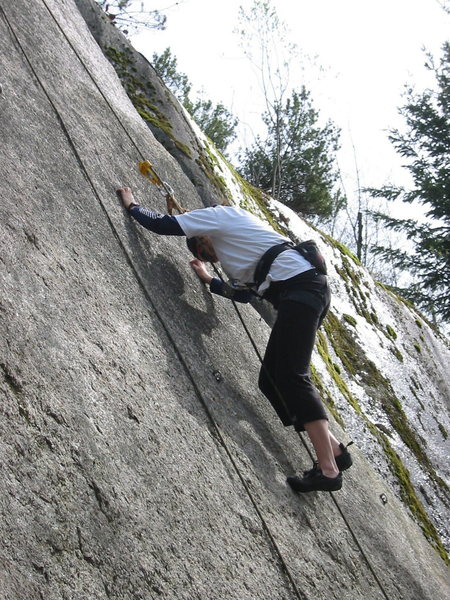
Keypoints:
pixel 315 483
pixel 343 461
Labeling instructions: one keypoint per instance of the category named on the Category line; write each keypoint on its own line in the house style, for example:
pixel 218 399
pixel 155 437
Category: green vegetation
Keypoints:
pixel 209 164
pixel 410 499
pixel 322 348
pixel 342 249
pixel 443 431
pixel 394 293
pixel 424 143
pixel 396 352
pixel 350 320
pixel 216 121
pixel 294 163
pixel 391 333
pixel 317 381
pixel 294 159
pixel 353 281
pixel 140 94
pixel 339 334
pixel 379 388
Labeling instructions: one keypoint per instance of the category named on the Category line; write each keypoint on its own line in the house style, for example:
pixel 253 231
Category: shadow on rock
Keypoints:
pixel 187 325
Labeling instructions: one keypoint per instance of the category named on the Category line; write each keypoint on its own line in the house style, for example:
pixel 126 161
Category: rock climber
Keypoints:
pixel 299 292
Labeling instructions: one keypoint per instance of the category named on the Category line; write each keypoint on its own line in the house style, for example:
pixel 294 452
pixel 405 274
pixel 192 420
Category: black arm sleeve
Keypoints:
pixel 162 224
pixel 227 291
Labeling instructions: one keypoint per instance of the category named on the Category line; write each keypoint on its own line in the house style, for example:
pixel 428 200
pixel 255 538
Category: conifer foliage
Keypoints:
pixel 215 120
pixel 295 162
pixel 425 144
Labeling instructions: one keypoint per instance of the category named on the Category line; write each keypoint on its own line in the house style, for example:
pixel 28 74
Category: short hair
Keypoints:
pixel 192 244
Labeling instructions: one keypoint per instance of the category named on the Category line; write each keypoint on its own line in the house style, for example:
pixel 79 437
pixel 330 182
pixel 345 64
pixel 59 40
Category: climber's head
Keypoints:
pixel 202 248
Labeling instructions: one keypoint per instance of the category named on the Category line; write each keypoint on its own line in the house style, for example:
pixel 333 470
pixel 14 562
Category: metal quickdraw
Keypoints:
pixel 147 170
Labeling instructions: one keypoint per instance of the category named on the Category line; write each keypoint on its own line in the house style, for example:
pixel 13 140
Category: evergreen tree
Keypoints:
pixel 425 144
pixel 216 121
pixel 295 161
pixel 166 65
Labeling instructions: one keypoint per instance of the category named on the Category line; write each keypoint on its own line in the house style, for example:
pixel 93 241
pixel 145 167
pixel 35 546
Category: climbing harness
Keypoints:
pixel 308 249
pixel 148 170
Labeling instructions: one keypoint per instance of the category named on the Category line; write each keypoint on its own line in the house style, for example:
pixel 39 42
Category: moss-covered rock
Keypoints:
pixel 379 388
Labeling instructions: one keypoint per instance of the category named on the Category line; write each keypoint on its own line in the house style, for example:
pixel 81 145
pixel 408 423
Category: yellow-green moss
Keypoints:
pixel 379 388
pixel 359 298
pixel 389 290
pixel 335 372
pixel 390 332
pixel 348 273
pixel 207 166
pixel 260 198
pixel 410 499
pixel 350 320
pixel 396 352
pixel 326 396
pixel 443 431
pixel 342 249
pixel 397 418
pixel 138 91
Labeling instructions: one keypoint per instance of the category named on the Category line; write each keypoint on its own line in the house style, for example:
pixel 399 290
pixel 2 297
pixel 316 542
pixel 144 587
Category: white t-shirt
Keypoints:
pixel 240 239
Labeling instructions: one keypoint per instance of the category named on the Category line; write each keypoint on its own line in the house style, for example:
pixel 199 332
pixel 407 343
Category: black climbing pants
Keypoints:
pixel 285 373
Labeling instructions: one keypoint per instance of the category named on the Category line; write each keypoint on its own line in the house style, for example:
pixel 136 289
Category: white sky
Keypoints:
pixel 369 50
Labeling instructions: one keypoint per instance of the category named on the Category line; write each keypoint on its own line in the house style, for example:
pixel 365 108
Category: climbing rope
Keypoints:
pixel 172 204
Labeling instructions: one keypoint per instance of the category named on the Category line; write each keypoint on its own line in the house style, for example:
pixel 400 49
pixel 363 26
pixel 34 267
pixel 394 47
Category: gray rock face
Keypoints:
pixel 137 458
pixel 155 102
